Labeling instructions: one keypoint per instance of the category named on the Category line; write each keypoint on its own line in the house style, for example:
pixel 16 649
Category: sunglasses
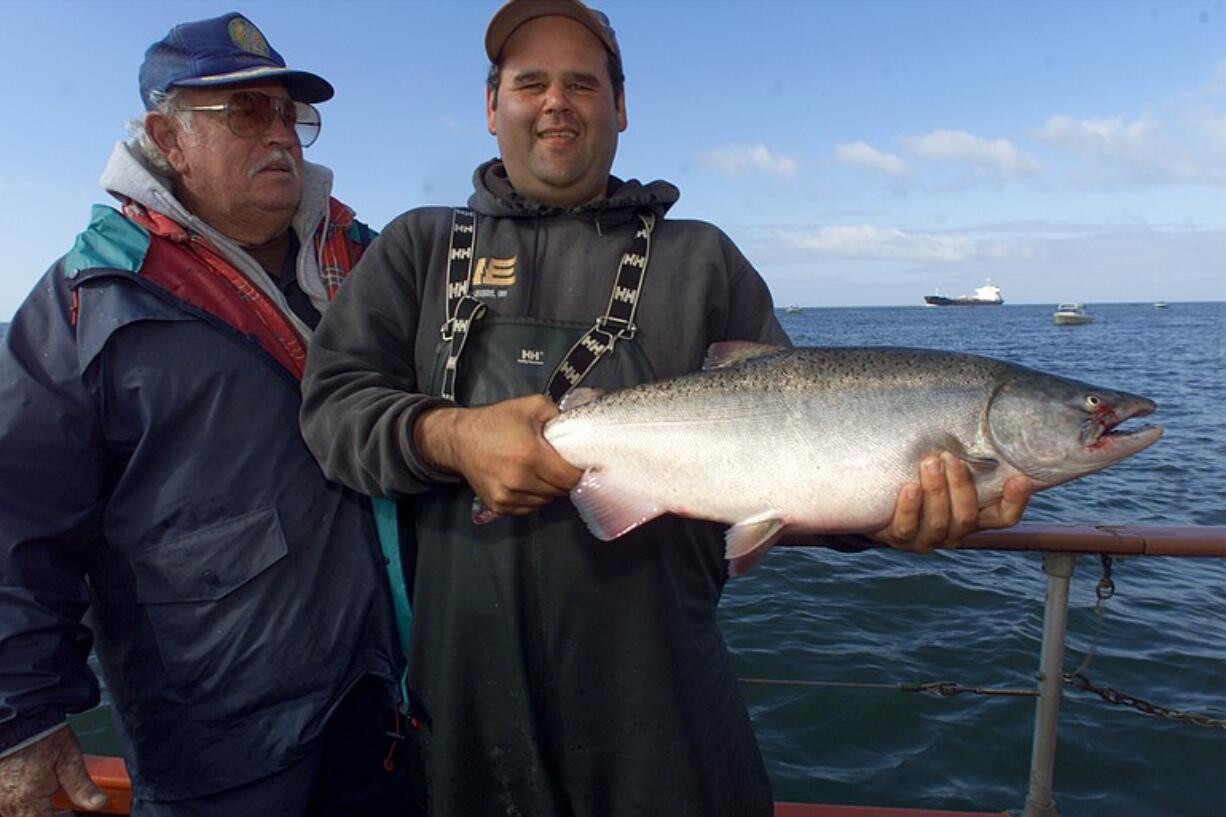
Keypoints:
pixel 249 113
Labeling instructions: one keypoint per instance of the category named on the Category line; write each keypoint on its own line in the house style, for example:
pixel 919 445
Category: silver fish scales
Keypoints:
pixel 821 440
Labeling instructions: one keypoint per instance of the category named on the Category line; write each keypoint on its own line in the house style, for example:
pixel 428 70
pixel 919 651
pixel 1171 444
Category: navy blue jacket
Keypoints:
pixel 152 471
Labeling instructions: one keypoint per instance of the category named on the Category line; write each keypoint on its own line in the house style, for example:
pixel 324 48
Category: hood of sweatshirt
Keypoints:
pixel 494 196
pixel 129 176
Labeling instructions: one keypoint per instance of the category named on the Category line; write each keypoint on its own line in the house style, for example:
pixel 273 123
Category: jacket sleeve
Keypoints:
pixel 360 390
pixel 52 480
pixel 751 310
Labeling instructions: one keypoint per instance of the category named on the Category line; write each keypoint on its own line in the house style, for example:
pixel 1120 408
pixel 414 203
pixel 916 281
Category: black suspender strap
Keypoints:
pixel 616 323
pixel 462 308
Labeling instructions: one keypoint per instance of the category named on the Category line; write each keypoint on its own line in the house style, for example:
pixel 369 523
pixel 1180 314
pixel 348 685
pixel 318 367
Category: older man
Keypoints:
pixel 556 674
pixel 152 470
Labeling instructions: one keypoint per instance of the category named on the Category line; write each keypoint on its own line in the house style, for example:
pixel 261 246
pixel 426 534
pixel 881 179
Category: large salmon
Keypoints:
pixel 772 440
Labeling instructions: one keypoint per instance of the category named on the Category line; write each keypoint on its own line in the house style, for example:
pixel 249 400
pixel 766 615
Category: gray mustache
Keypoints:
pixel 278 158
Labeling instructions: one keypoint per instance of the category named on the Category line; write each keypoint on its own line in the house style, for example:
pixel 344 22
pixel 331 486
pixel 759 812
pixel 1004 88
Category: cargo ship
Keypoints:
pixel 986 295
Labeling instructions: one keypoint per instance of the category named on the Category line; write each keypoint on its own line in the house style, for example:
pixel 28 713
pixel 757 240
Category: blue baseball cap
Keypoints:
pixel 214 53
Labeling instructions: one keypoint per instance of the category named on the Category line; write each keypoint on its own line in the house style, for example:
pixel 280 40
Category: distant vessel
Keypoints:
pixel 793 310
pixel 1071 315
pixel 986 295
pixel 1159 304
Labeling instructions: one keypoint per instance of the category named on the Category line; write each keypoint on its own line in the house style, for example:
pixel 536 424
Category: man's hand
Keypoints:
pixel 943 508
pixel 29 777
pixel 499 451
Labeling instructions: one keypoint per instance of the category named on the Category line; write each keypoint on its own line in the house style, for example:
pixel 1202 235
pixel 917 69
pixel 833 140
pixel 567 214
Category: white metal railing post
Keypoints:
pixel 1059 569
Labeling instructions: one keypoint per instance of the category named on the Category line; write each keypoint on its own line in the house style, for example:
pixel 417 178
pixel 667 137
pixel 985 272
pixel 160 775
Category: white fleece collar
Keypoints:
pixel 128 175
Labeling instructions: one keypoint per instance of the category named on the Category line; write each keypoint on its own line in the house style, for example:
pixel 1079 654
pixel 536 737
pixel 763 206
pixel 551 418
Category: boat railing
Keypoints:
pixel 1061 545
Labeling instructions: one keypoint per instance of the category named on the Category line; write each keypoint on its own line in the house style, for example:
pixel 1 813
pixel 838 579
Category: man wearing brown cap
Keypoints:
pixel 151 469
pixel 554 674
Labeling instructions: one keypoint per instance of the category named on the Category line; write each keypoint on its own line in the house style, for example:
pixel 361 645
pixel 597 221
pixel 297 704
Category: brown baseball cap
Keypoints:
pixel 515 13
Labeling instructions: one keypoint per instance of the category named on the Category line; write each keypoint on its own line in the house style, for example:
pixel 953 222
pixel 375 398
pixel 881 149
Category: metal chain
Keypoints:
pixel 1105 588
pixel 1103 591
pixel 948 689
pixel 944 689
pixel 1114 696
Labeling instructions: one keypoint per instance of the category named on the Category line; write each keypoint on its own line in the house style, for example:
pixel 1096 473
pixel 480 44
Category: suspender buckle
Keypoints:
pixel 623 329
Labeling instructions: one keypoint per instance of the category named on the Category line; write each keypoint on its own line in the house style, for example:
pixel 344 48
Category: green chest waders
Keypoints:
pixel 557 674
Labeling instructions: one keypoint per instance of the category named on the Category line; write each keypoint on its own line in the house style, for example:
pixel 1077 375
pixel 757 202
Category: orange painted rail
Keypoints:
pixel 110 774
pixel 1122 540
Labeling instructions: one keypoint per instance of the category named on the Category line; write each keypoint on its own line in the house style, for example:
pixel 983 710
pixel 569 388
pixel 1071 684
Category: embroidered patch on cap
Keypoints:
pixel 247 37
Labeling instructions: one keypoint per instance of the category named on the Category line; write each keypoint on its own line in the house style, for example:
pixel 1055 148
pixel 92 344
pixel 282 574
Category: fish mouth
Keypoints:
pixel 1109 440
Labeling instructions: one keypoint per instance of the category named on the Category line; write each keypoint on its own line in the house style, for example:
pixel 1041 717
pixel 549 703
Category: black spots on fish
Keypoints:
pixel 855 368
pixel 818 370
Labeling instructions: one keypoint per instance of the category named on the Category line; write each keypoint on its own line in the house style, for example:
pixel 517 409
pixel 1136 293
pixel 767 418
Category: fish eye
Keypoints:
pixel 1093 401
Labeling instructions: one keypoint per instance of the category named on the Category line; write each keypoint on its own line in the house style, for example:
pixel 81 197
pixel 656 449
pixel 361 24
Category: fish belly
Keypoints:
pixel 825 463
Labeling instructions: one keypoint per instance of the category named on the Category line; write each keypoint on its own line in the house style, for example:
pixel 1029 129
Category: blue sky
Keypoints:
pixel 859 153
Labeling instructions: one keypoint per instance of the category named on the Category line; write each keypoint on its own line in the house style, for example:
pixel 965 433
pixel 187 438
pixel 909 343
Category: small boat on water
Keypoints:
pixel 1159 304
pixel 793 310
pixel 986 295
pixel 1071 315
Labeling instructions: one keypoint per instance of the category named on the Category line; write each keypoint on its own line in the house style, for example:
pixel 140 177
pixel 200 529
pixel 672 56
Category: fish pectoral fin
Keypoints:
pixel 609 509
pixel 728 353
pixel 747 541
pixel 981 465
pixel 980 462
pixel 977 459
pixel 579 397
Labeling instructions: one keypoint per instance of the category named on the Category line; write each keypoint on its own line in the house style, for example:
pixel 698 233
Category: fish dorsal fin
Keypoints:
pixel 746 542
pixel 579 397
pixel 609 509
pixel 728 353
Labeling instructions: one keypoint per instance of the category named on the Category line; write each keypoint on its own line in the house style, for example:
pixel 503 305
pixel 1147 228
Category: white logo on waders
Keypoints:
pixel 531 357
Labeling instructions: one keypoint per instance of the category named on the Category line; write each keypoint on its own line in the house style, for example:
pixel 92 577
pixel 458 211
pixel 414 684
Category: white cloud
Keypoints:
pixel 1143 149
pixel 1215 127
pixel 734 161
pixel 1106 138
pixel 960 146
pixel 1094 263
pixel 865 241
pixel 863 154
pixel 1217 83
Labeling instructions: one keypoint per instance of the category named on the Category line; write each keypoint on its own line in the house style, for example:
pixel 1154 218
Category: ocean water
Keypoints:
pixel 883 617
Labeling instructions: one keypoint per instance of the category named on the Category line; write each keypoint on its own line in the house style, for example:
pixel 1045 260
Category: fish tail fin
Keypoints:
pixel 609 509
pixel 747 541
